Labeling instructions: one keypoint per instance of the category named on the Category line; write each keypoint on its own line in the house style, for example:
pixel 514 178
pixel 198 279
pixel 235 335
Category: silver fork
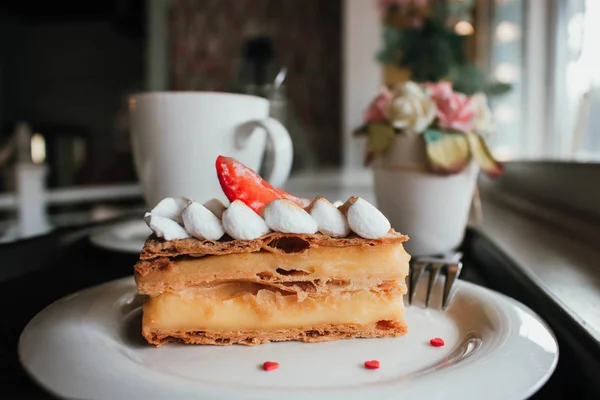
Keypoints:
pixel 450 263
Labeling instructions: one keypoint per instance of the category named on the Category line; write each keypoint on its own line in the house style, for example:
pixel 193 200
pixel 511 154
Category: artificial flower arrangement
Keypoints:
pixel 450 123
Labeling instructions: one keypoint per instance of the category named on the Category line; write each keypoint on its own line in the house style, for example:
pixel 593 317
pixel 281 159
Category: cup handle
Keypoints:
pixel 281 146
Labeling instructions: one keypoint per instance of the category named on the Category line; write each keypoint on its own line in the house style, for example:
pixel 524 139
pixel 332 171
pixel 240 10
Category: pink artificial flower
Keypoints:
pixel 377 110
pixel 455 110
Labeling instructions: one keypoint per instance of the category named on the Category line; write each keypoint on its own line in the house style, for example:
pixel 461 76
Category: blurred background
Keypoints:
pixel 66 71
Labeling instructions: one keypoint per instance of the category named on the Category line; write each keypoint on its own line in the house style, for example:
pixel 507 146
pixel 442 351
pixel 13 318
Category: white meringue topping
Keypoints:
pixel 287 217
pixel 365 219
pixel 330 220
pixel 201 223
pixel 216 206
pixel 242 223
pixel 170 208
pixel 181 218
pixel 165 228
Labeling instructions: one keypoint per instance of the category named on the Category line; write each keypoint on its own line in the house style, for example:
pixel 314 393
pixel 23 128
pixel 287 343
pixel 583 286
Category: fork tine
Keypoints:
pixel 433 273
pixel 453 271
pixel 414 276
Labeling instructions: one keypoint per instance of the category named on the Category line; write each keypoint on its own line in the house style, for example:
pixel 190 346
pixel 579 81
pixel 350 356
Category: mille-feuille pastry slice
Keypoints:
pixel 313 274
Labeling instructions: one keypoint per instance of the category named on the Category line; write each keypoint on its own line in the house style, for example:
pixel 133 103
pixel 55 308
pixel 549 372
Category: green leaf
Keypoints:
pixel 381 136
pixel 469 79
pixel 432 135
pixel 483 156
pixel 361 130
pixel 447 152
pixel 430 52
pixel 497 88
pixel 391 48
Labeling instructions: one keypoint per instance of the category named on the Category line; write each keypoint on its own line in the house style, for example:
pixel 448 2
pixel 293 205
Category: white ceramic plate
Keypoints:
pixel 88 346
pixel 127 236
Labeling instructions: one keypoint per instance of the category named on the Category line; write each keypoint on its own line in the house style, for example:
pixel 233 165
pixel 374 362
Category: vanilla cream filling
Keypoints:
pixel 266 310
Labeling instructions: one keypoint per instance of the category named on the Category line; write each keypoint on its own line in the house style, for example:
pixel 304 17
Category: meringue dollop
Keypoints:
pixel 365 219
pixel 165 228
pixel 330 220
pixel 286 216
pixel 201 223
pixel 216 206
pixel 242 223
pixel 170 207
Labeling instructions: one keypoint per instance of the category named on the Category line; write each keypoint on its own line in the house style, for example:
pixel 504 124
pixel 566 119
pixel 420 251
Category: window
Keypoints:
pixel 548 52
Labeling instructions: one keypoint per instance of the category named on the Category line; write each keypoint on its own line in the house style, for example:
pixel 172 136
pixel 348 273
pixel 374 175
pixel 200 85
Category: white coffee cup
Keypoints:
pixel 177 136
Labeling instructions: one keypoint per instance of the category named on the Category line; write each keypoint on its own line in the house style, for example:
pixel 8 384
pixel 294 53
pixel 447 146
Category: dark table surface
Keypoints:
pixel 36 272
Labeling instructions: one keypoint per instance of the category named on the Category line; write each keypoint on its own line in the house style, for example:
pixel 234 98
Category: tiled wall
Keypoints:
pixel 207 36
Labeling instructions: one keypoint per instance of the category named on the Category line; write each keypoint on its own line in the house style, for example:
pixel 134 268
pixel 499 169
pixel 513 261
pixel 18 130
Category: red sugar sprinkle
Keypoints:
pixel 437 342
pixel 270 365
pixel 372 364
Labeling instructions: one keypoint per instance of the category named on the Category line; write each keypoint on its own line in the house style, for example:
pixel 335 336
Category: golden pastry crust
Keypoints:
pixel 274 242
pixel 311 334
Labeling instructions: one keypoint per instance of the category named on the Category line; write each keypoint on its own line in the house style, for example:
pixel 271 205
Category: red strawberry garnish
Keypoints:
pixel 242 183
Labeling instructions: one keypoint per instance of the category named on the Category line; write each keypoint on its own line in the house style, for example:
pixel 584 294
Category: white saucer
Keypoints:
pixel 127 236
pixel 88 346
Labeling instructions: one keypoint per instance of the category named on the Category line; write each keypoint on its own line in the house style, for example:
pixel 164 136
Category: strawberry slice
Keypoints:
pixel 242 183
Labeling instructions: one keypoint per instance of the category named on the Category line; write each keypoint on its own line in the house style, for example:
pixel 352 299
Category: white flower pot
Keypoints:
pixel 431 209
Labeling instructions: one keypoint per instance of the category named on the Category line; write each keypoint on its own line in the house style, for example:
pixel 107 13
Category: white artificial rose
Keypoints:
pixel 411 107
pixel 482 121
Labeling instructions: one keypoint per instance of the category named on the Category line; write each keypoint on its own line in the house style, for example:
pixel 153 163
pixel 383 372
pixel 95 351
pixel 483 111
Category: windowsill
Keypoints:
pixel 551 251
pixel 544 217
